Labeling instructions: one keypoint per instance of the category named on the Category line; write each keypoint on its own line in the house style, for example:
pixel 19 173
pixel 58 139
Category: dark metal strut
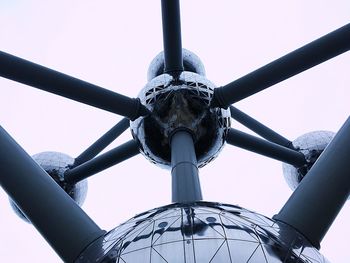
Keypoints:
pixel 102 142
pixel 173 62
pixel 53 213
pixel 184 171
pixel 37 76
pixel 308 56
pixel 102 162
pixel 321 194
pixel 259 128
pixel 266 148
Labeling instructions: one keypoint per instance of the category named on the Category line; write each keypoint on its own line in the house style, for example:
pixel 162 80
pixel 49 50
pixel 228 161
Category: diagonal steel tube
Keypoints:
pixel 266 148
pixel 321 194
pixel 173 62
pixel 184 171
pixel 53 213
pixel 102 162
pixel 259 128
pixel 37 76
pixel 308 56
pixel 102 142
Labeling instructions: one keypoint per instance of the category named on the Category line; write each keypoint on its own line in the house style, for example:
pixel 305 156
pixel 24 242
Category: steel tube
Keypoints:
pixel 53 213
pixel 185 179
pixel 173 62
pixel 102 142
pixel 321 194
pixel 308 56
pixel 266 148
pixel 102 162
pixel 37 76
pixel 259 128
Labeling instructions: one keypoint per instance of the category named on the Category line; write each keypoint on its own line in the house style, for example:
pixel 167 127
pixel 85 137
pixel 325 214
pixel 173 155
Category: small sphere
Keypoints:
pixel 202 232
pixel 181 103
pixel 311 145
pixel 55 164
pixel 191 63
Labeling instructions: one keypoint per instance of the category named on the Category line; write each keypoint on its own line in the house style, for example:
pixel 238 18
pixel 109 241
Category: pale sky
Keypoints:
pixel 111 43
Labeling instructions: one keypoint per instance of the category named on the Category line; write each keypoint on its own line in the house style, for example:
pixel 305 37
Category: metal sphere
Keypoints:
pixel 201 232
pixel 191 63
pixel 181 103
pixel 311 145
pixel 55 164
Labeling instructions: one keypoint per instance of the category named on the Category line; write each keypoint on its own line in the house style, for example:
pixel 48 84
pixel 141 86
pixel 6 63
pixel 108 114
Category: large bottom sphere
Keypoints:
pixel 201 232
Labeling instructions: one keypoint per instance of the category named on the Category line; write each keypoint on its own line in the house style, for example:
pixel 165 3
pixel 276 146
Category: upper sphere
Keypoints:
pixel 191 63
pixel 181 103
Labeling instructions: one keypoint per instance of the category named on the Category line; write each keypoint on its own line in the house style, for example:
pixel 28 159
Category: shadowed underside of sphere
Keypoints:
pixel 201 232
pixel 55 164
pixel 181 103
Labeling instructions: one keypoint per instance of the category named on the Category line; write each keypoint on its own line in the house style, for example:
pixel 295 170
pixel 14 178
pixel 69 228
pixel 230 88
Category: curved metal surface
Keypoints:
pixel 311 144
pixel 182 103
pixel 191 62
pixel 202 232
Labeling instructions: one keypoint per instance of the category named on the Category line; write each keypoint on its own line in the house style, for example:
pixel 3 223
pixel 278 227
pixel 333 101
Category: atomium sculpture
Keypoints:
pixel 181 121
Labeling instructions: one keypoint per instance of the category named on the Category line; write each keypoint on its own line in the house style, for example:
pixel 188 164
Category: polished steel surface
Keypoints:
pixel 311 145
pixel 202 232
pixel 181 103
pixel 55 164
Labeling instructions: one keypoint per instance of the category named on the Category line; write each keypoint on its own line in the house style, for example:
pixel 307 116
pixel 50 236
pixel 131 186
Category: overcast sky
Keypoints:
pixel 111 43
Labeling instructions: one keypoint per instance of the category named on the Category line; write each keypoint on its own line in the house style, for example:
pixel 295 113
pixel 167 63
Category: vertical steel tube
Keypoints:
pixel 314 205
pixel 259 128
pixel 173 62
pixel 54 214
pixel 185 180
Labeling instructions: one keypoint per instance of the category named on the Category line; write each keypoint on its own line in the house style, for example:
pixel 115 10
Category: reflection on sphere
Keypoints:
pixel 202 232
